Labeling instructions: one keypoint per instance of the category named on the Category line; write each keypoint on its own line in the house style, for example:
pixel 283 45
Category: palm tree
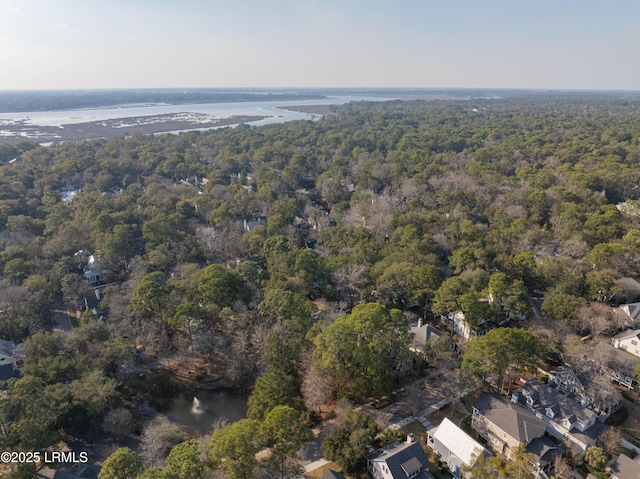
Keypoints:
pixel 596 457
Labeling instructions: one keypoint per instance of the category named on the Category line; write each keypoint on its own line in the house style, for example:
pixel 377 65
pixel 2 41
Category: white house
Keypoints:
pixel 457 324
pixel 568 382
pixel 565 416
pixel 454 446
pixel 628 340
pixel 249 225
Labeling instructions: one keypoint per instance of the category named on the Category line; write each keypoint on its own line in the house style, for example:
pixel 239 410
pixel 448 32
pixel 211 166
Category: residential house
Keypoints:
pixel 249 225
pixel 628 340
pixel 568 381
pixel 11 358
pixel 628 290
pixel 457 324
pixel 625 468
pixel 404 460
pixel 454 446
pixel 331 474
pixel 93 273
pixel 565 416
pixel 621 368
pixel 507 426
pixel 631 312
pixel 422 334
pixel 78 471
pixel 68 193
pixel 8 367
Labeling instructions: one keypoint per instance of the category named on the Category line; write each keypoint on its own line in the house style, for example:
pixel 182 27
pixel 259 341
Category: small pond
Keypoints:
pixel 200 409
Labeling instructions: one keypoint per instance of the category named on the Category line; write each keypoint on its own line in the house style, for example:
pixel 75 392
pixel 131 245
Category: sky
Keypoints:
pixel 541 44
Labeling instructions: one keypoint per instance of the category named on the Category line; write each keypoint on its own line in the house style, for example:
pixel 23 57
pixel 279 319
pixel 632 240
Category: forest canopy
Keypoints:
pixel 271 246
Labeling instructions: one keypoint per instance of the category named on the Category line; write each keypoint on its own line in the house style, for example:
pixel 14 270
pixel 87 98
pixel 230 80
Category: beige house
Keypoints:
pixel 625 468
pixel 628 341
pixel 507 427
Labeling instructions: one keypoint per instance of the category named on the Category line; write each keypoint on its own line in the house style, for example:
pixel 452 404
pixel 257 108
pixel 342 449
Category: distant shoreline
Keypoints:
pixel 21 131
pixel 38 101
pixel 322 110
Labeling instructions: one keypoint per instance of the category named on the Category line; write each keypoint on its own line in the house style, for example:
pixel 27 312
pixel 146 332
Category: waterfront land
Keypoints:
pixel 22 130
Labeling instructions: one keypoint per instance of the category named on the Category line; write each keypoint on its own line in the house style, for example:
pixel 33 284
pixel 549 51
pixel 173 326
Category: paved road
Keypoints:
pixel 311 452
pixel 61 316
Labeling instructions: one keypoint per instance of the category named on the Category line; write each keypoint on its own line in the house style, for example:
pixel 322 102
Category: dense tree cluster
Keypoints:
pixel 299 252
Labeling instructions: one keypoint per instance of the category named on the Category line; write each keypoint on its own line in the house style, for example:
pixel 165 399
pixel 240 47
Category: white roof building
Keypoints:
pixel 454 446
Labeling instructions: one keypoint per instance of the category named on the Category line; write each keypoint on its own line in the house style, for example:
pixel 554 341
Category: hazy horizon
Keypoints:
pixel 571 45
pixel 321 89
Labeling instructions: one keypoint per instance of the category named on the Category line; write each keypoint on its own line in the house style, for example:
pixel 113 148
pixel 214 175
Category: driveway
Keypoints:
pixel 439 389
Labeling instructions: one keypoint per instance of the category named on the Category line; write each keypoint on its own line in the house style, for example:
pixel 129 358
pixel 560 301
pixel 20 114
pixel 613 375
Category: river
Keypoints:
pixel 273 109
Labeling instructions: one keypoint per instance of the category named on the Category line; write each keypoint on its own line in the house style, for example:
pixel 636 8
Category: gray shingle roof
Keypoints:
pixel 545 450
pixel 632 309
pixel 513 419
pixel 629 333
pixel 7 347
pixel 626 468
pixel 488 401
pixel 400 456
pixel 562 405
pixel 330 474
pixel 7 371
pixel 423 334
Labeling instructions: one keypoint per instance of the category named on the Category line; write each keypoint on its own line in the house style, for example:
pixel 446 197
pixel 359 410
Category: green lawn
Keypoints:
pixel 455 414
pixel 417 429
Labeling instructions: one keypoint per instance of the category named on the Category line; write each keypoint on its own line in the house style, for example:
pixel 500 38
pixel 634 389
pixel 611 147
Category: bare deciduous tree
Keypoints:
pixel 350 278
pixel 561 467
pixel 241 366
pixel 595 318
pixel 316 389
pixel 611 441
pixel 158 437
pixel 592 360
